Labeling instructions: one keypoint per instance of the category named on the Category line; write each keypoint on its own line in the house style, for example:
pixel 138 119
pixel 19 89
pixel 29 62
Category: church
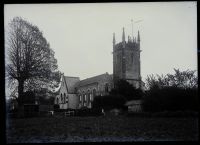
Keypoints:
pixel 75 93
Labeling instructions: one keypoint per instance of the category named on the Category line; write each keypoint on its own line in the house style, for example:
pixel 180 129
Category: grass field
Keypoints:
pixel 103 128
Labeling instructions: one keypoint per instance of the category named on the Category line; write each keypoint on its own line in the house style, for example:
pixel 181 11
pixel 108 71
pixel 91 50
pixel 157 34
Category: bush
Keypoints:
pixel 109 102
pixel 128 91
pixel 46 100
pixel 28 97
pixel 170 99
pixel 56 107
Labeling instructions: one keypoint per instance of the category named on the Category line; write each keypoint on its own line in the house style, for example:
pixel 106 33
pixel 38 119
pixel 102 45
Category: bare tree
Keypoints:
pixel 31 61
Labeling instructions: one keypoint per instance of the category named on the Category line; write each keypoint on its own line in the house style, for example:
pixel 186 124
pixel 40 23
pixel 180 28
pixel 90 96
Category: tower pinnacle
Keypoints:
pixel 114 41
pixel 138 37
pixel 123 35
pixel 123 38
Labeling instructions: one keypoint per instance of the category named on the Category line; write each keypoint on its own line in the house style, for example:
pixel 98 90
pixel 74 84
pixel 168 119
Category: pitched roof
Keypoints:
pixel 71 82
pixel 95 79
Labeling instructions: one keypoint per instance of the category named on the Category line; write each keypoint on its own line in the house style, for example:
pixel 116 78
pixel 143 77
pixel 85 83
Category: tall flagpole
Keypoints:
pixel 132 27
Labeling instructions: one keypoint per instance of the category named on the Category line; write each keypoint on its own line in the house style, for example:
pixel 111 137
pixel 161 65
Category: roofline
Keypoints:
pixel 65 83
pixel 71 77
pixel 87 84
pixel 96 76
pixel 69 92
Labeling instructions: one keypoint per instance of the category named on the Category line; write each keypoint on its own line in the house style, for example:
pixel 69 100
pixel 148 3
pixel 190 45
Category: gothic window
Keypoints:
pixel 88 97
pixel 94 93
pixel 90 105
pixel 64 98
pixel 61 97
pixel 80 98
pixel 91 99
pixel 84 99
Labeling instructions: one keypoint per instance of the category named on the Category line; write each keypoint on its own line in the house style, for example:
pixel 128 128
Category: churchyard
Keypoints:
pixel 45 105
pixel 102 128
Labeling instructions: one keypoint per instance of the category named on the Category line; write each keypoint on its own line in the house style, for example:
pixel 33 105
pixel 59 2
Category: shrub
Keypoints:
pixel 170 99
pixel 128 91
pixel 28 97
pixel 109 102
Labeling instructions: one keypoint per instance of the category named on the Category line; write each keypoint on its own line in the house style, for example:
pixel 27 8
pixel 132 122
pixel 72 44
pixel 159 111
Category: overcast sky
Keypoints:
pixel 81 34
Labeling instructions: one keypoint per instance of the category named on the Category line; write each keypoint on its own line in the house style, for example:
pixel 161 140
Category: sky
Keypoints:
pixel 81 34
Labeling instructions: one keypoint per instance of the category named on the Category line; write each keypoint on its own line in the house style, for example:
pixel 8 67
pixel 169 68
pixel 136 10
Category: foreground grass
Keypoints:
pixel 104 128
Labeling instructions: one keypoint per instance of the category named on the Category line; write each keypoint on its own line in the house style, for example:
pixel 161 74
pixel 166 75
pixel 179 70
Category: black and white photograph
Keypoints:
pixel 101 72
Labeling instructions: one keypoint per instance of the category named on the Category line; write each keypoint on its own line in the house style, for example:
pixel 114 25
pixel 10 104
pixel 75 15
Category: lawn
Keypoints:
pixel 103 128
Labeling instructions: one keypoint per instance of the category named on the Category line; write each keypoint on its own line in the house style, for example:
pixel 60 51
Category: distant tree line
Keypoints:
pixel 172 92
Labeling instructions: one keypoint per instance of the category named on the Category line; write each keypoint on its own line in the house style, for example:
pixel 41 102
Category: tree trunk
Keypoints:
pixel 20 92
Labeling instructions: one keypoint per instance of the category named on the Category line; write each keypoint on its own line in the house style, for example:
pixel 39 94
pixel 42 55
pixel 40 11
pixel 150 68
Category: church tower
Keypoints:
pixel 126 60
